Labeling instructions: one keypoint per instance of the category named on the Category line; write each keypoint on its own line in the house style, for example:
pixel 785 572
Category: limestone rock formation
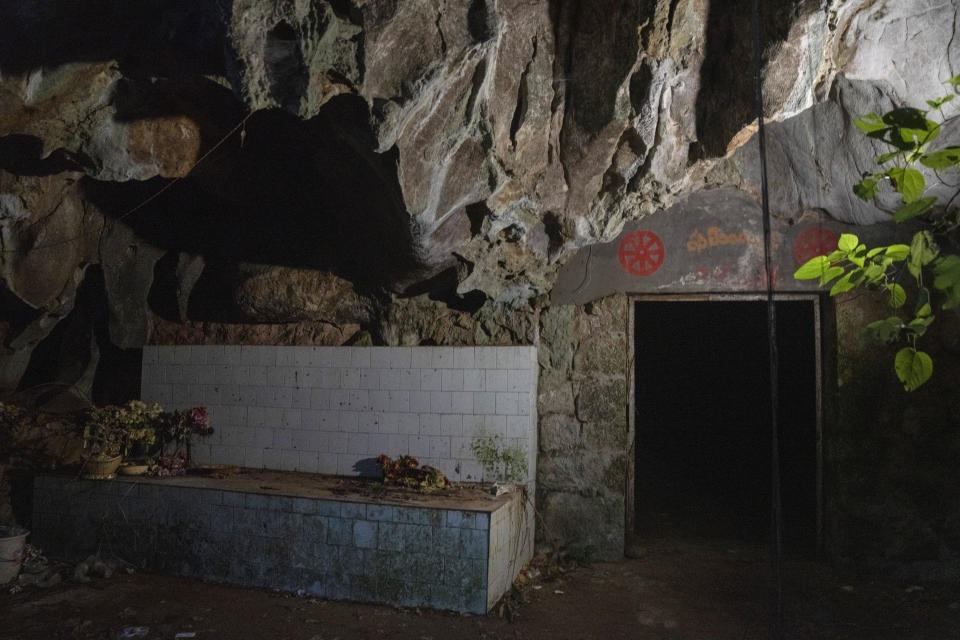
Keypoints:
pixel 362 152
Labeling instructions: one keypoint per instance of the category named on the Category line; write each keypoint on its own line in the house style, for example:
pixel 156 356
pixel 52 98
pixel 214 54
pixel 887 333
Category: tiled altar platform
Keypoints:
pixel 339 538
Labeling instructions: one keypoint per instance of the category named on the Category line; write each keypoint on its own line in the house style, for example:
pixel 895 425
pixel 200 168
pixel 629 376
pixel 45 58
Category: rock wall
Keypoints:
pixel 277 162
pixel 893 498
pixel 582 407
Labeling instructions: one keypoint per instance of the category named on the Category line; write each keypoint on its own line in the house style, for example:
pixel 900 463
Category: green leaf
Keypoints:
pixel 939 102
pixel 870 123
pixel 908 182
pixel 830 274
pixel 923 250
pixel 882 331
pixel 955 81
pixel 916 208
pixel 898 296
pixel 897 252
pixel 912 185
pixel 847 242
pixel 947 280
pixel 866 189
pixel 918 327
pixel 906 118
pixel 842 285
pixel 923 135
pixel 922 309
pixel 837 256
pixel 887 157
pixel 874 272
pixel 896 140
pixel 858 256
pixel 953 298
pixel 947 272
pixel 812 268
pixel 943 159
pixel 913 367
pixel 915 269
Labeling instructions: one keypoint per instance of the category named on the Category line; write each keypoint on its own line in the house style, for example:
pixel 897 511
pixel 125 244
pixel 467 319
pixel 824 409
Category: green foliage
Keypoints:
pixel 505 463
pixel 914 208
pixel 853 265
pixel 947 280
pixel 907 131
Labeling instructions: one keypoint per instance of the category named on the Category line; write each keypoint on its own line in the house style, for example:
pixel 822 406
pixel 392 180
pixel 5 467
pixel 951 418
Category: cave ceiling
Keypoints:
pixel 288 161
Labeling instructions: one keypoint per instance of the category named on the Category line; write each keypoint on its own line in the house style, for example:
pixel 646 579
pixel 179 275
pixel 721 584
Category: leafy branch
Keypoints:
pixel 908 132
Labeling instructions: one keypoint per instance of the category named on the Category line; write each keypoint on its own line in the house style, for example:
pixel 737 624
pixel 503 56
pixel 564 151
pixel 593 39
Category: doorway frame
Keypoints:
pixel 631 537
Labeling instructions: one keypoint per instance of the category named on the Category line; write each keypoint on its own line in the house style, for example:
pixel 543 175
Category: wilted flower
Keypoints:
pixel 201 424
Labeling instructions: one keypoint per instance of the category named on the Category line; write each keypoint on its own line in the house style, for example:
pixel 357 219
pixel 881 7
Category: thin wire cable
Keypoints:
pixel 775 505
pixel 145 202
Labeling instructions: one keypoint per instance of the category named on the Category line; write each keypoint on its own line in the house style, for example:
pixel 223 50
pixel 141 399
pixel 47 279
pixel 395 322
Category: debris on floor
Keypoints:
pixel 36 571
pixel 95 567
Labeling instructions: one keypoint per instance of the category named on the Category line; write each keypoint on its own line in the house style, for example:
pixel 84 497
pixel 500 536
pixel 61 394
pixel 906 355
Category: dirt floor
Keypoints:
pixel 673 590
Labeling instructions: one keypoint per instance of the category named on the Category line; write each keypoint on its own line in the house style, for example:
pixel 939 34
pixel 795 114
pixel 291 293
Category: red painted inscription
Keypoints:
pixel 812 243
pixel 641 253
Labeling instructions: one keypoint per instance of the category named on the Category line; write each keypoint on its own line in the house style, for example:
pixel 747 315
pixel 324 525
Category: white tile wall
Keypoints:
pixel 333 409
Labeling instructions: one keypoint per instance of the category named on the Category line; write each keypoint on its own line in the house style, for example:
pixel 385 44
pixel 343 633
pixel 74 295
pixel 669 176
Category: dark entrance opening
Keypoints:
pixel 703 461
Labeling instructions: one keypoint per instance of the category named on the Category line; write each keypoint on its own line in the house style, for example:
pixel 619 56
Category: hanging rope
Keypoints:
pixel 770 273
pixel 240 126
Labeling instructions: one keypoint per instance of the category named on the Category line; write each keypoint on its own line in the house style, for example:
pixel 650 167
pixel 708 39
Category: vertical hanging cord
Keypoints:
pixel 775 506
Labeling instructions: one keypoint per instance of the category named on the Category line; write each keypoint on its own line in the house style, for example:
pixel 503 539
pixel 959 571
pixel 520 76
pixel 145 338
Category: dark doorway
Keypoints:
pixel 703 463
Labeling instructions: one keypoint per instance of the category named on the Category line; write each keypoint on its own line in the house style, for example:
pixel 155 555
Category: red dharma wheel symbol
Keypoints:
pixel 641 253
pixel 812 243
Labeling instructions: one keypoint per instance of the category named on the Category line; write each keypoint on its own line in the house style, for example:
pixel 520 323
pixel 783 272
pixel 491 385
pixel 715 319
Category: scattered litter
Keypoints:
pixel 80 572
pixel 95 567
pixel 44 579
pixel 185 634
pixel 498 489
pixel 134 632
pixel 847 588
pixel 36 571
pixel 537 587
pixel 912 588
pixel 558 592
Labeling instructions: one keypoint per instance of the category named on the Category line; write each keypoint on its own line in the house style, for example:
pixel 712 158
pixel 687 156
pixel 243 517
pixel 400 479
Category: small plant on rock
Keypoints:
pixel 499 460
